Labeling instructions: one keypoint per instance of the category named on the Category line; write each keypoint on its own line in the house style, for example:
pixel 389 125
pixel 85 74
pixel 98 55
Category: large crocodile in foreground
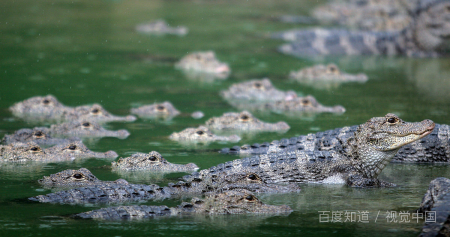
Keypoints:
pixel 22 152
pixel 433 148
pixel 426 36
pixel 358 163
pixel 221 203
pixel 108 192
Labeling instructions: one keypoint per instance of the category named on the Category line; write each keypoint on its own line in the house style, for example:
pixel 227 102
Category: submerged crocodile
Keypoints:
pixel 39 135
pixel 386 15
pixel 151 161
pixel 74 178
pixel 261 95
pixel 22 152
pixel 164 110
pixel 200 134
pixel 433 148
pixel 244 121
pixel 160 27
pixel 323 75
pixel 205 62
pixel 221 203
pixel 193 185
pixel 49 109
pixel 436 202
pixel 358 163
pixel 426 36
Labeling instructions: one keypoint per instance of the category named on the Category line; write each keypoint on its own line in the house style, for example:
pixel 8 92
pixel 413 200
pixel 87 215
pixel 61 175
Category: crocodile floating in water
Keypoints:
pixel 109 192
pixel 325 76
pixel 436 202
pixel 39 135
pixel 358 163
pixel 22 152
pixel 200 134
pixel 426 36
pixel 156 110
pixel 160 27
pixel 433 148
pixel 221 203
pixel 49 109
pixel 153 161
pixel 261 95
pixel 244 121
pixel 204 62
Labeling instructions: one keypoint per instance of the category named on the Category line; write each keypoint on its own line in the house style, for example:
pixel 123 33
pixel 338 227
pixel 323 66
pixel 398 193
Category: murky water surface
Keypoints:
pixel 86 52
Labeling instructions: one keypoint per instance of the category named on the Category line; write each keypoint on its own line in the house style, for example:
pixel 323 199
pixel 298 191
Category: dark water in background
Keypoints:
pixel 88 52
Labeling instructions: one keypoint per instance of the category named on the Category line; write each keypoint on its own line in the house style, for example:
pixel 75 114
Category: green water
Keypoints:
pixel 88 52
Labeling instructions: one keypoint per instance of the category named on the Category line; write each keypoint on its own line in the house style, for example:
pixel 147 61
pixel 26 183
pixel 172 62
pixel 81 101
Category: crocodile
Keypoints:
pixel 194 185
pixel 201 134
pixel 39 135
pixel 386 15
pixel 160 27
pixel 84 128
pixel 244 121
pixel 151 161
pixel 256 90
pixel 221 203
pixel 49 109
pixel 156 110
pixel 204 62
pixel 22 152
pixel 358 163
pixel 426 36
pixel 74 178
pixel 324 76
pixel 436 202
pixel 433 148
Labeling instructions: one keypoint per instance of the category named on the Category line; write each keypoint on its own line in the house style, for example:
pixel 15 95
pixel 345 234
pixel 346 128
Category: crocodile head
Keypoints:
pixel 330 73
pixel 205 62
pixel 21 152
pixel 243 121
pixel 69 178
pixel 84 128
pixel 232 202
pixel 96 113
pixel 39 107
pixel 304 104
pixel 165 109
pixel 202 134
pixel 378 140
pixel 432 24
pixel 256 90
pixel 151 161
pixel 75 149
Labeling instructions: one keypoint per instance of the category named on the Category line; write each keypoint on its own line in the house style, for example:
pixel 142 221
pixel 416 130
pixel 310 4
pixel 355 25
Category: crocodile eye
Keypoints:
pixel 250 198
pixel 45 101
pixel 332 69
pixel 72 147
pixel 95 111
pixel 200 132
pixel 306 102
pixel 35 149
pixel 252 177
pixel 78 176
pixel 258 85
pixel 38 134
pixel 161 108
pixel 244 117
pixel 392 120
pixel 86 124
pixel 153 158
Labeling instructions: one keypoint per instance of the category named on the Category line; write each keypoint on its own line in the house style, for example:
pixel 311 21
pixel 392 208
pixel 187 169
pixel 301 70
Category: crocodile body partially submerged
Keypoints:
pixel 358 163
pixel 261 95
pixel 426 36
pixel 436 202
pixel 152 161
pixel 321 76
pixel 433 148
pixel 193 185
pixel 156 110
pixel 204 62
pixel 39 135
pixel 22 152
pixel 244 121
pixel 221 203
pixel 49 109
pixel 160 27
